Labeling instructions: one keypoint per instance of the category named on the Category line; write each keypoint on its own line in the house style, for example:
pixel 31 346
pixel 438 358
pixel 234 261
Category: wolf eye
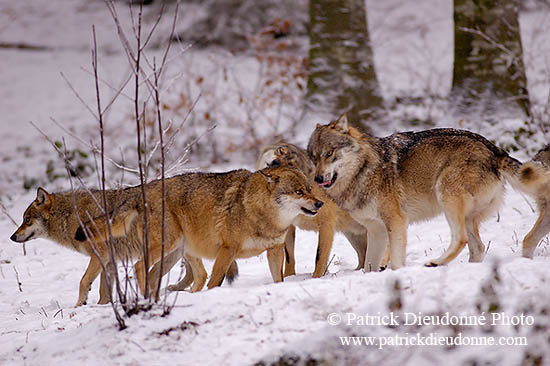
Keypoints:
pixel 27 220
pixel 299 192
pixel 328 154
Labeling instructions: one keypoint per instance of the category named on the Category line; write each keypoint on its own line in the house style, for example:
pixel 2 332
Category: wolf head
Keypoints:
pixel 286 155
pixel 333 148
pixel 291 192
pixel 35 218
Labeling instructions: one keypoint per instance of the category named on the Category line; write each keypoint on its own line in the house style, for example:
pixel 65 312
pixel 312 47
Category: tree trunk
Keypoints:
pixel 341 74
pixel 489 74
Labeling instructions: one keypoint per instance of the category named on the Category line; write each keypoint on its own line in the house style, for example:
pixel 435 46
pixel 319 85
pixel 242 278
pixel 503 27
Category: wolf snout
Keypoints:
pixel 319 179
pixel 13 237
pixel 318 204
pixel 275 163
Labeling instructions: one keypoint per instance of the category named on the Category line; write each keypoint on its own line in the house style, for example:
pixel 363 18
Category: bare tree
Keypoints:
pixel 341 70
pixel 489 73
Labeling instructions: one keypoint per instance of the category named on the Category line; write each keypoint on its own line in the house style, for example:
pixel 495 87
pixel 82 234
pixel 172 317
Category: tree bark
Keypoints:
pixel 489 73
pixel 341 74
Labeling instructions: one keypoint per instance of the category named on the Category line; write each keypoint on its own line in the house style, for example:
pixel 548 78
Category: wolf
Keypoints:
pixel 58 217
pixel 538 174
pixel 387 183
pixel 330 219
pixel 225 216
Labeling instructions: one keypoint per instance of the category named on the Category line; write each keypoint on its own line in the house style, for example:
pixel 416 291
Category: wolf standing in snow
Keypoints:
pixel 538 172
pixel 225 216
pixel 331 218
pixel 58 216
pixel 387 183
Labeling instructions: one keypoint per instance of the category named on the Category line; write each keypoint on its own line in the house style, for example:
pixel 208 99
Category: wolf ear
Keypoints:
pixel 43 198
pixel 270 178
pixel 341 124
pixel 282 150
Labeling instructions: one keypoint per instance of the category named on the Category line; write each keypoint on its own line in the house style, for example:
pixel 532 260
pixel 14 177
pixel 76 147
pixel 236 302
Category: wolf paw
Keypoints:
pixel 80 303
pixel 431 264
pixel 174 288
pixel 102 301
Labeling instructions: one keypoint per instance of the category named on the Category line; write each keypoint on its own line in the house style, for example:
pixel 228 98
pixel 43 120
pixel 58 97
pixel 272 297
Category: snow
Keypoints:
pixel 253 319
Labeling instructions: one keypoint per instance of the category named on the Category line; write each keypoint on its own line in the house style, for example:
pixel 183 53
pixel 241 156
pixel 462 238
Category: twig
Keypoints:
pixel 137 116
pixel 78 96
pixel 326 269
pixel 17 278
pixel 118 91
pixel 163 185
pixel 5 211
pixel 187 148
pixel 488 39
pixel 93 148
pixel 528 203
pixel 120 321
pixel 64 155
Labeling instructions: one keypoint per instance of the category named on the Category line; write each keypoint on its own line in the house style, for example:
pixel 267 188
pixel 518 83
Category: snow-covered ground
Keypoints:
pixel 253 319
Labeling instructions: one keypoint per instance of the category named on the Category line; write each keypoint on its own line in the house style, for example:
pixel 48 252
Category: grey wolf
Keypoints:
pixel 225 216
pixel 538 175
pixel 330 219
pixel 58 217
pixel 387 183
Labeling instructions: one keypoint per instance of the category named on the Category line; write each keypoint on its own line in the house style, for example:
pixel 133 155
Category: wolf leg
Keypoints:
pixel 94 267
pixel 187 279
pixel 455 214
pixel 359 243
pixel 385 259
pixel 275 258
pixel 139 270
pixel 290 262
pixel 475 245
pixel 197 275
pixel 378 242
pixel 168 262
pixel 540 229
pixel 172 242
pixel 397 236
pixel 326 236
pixel 226 255
pixel 105 287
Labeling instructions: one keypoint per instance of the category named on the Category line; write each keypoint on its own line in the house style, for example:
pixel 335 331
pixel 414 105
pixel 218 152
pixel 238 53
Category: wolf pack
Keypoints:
pixel 365 187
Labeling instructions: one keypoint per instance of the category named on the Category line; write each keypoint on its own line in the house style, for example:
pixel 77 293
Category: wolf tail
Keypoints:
pixel 232 272
pixel 528 177
pixel 98 230
pixel 533 178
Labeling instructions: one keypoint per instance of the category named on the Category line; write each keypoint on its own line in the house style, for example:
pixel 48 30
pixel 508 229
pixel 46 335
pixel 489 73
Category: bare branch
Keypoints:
pixel 78 95
pixel 17 278
pixel 5 211
pixel 93 148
